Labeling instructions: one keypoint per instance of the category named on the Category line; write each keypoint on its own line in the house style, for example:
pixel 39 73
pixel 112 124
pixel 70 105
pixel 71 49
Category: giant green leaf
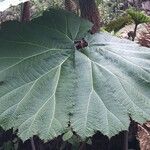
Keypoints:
pixel 47 86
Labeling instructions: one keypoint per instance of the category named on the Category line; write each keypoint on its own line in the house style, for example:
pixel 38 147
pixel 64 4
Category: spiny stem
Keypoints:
pixel 125 144
pixel 32 144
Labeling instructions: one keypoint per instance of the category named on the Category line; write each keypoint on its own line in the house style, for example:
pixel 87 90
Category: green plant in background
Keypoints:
pixel 111 9
pixel 138 17
pixel 118 23
pixel 104 13
pixel 131 16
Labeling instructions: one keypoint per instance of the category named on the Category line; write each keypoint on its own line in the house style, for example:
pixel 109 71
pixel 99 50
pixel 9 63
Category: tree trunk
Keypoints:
pixel 25 16
pixel 90 11
pixel 134 33
pixel 71 5
pixel 143 136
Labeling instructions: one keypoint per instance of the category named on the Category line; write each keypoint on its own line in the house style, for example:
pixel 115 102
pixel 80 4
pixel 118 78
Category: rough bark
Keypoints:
pixel 143 136
pixel 90 11
pixel 25 16
pixel 71 5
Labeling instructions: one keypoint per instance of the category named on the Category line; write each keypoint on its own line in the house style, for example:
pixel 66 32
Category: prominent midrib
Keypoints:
pixel 34 81
pixel 26 58
pixel 89 98
pixel 123 58
pixel 1 58
pixel 118 80
pixel 53 113
pixel 121 86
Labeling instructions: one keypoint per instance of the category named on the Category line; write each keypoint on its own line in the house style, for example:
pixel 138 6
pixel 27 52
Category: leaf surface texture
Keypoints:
pixel 48 87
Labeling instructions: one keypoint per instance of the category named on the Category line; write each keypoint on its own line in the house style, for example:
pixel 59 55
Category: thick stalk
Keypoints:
pixel 119 142
pixel 125 144
pixel 134 33
pixel 32 144
pixel 25 16
pixel 90 12
pixel 132 137
pixel 83 145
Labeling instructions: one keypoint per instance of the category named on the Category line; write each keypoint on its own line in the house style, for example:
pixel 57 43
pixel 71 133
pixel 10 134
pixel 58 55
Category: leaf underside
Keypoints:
pixel 48 87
